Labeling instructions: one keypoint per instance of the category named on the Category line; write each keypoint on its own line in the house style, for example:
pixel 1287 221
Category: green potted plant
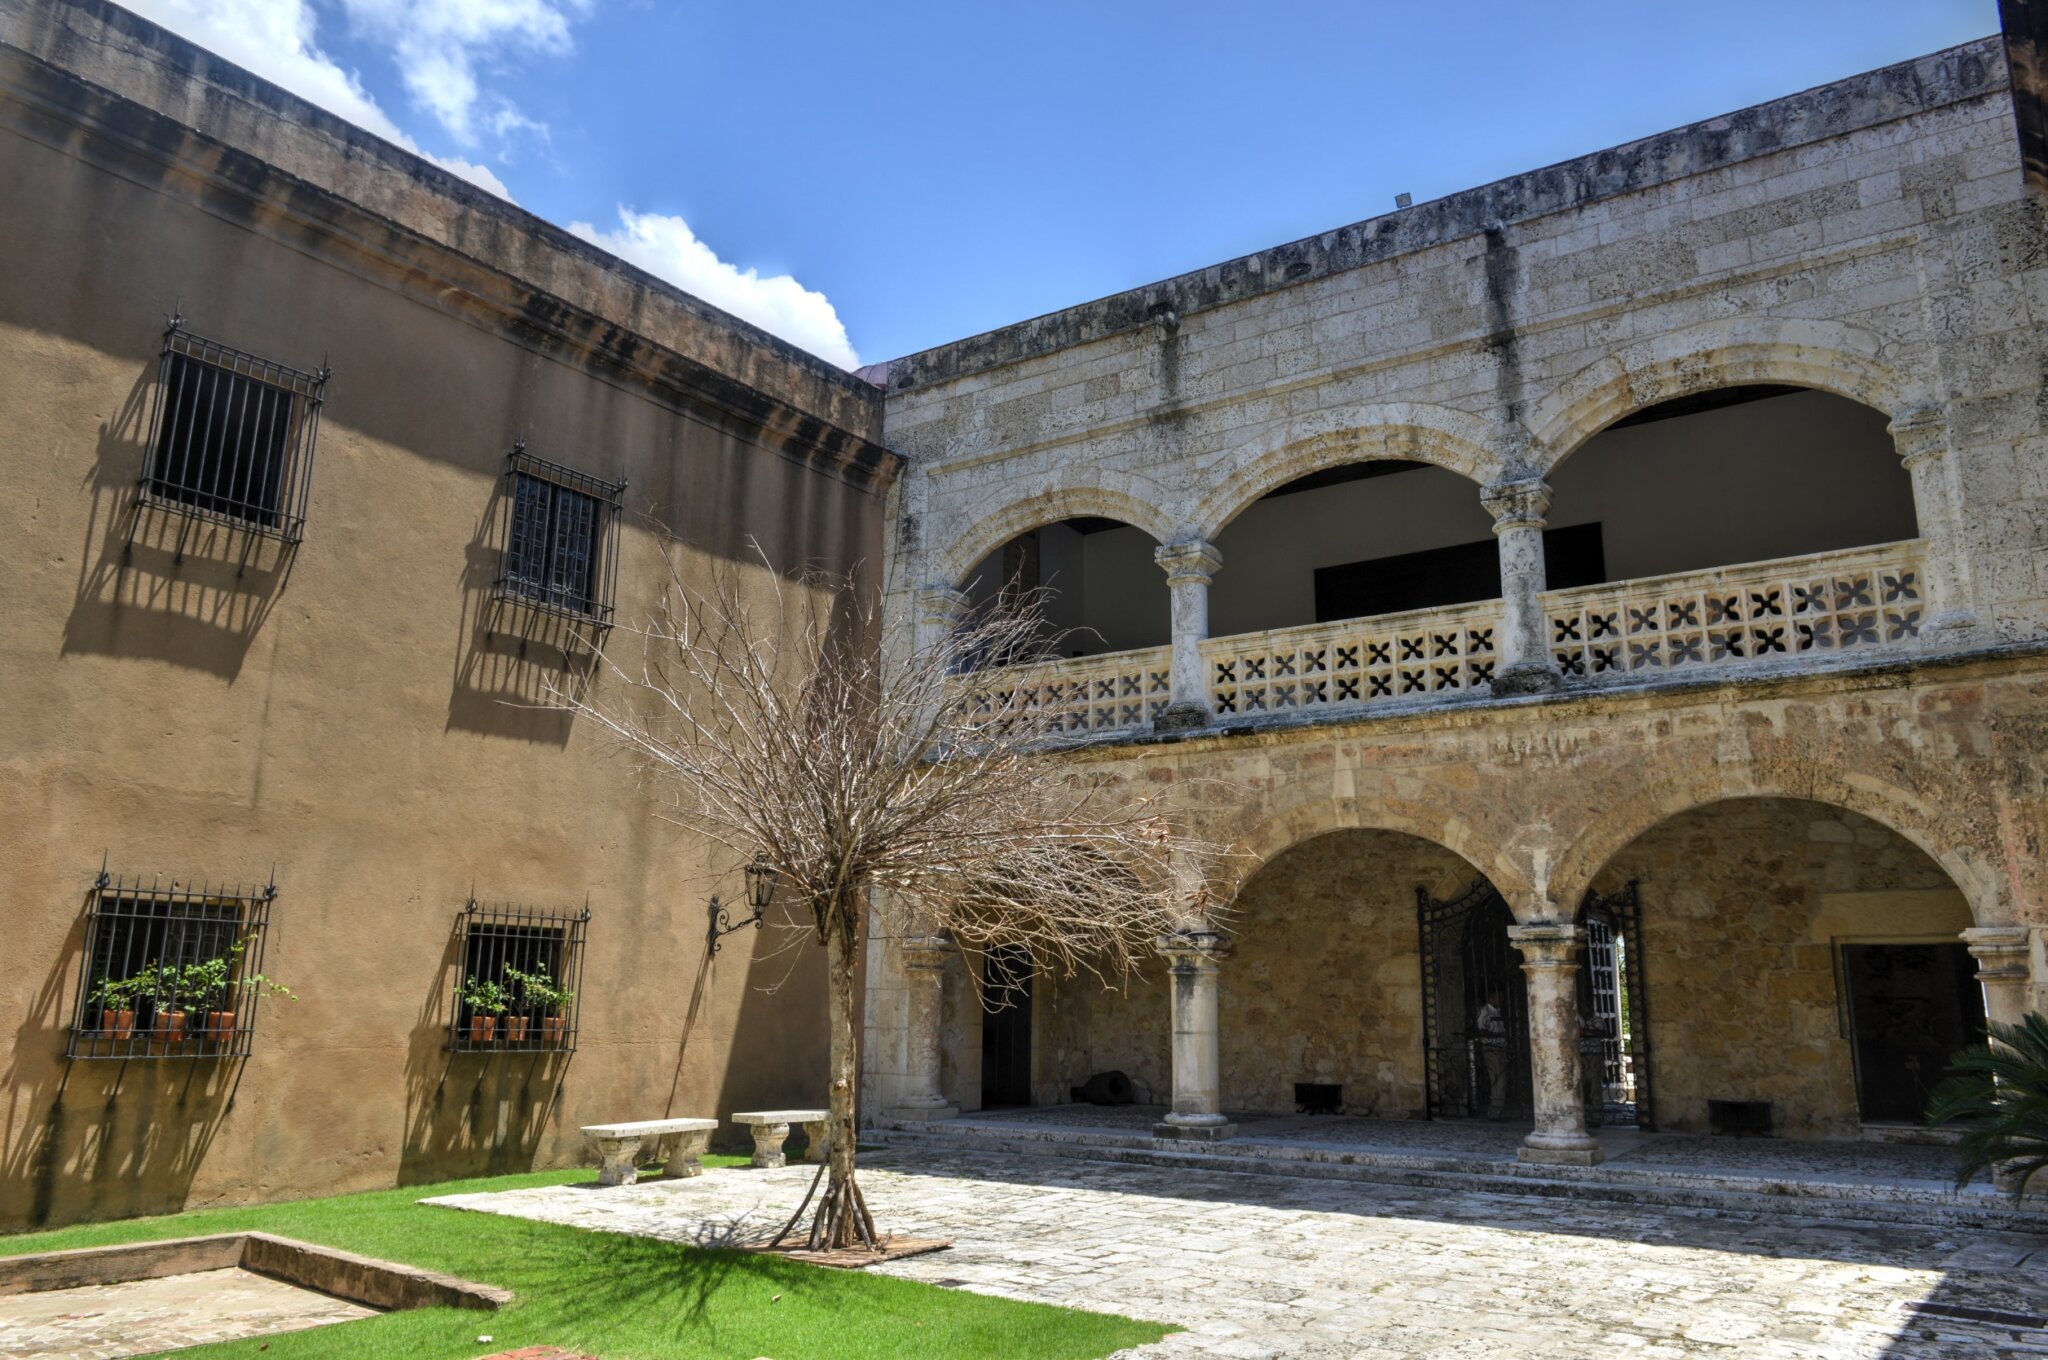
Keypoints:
pixel 159 983
pixel 486 1001
pixel 540 992
pixel 214 987
pixel 115 998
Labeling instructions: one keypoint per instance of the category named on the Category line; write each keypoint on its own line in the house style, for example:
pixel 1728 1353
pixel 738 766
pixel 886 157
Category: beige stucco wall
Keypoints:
pixel 346 720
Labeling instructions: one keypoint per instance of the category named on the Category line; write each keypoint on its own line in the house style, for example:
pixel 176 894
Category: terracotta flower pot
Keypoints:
pixel 169 1028
pixel 220 1026
pixel 515 1029
pixel 482 1028
pixel 552 1029
pixel 119 1024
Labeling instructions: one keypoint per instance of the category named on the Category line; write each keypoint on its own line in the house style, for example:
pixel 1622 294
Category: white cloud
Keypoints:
pixel 665 246
pixel 275 39
pixel 439 45
pixel 479 175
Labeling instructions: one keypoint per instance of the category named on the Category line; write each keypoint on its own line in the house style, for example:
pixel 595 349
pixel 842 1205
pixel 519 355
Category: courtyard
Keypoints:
pixel 1255 1266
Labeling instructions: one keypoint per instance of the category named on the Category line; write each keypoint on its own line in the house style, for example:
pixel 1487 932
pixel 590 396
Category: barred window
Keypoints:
pixel 517 988
pixel 560 554
pixel 169 970
pixel 232 437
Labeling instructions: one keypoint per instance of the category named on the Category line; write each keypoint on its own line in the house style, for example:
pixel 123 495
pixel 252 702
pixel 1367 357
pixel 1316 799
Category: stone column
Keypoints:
pixel 924 969
pixel 1921 436
pixel 1193 956
pixel 1525 665
pixel 1189 566
pixel 2004 957
pixel 1550 957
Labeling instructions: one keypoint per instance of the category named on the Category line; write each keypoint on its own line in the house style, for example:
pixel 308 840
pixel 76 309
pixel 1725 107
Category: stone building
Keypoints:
pixel 1605 608
pixel 287 573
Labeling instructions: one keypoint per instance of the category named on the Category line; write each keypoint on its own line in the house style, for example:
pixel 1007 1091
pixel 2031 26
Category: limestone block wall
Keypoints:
pixel 1324 983
pixel 1744 905
pixel 1873 238
pixel 1083 1027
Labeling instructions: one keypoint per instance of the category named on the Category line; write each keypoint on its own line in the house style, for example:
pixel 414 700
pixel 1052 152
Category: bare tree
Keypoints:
pixel 780 718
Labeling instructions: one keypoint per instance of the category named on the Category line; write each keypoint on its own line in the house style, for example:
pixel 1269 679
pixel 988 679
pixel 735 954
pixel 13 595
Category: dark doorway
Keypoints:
pixel 1912 1007
pixel 1006 1027
pixel 1475 1008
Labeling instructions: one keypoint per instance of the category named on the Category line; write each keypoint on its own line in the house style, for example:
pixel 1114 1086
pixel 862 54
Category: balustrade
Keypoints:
pixel 1621 631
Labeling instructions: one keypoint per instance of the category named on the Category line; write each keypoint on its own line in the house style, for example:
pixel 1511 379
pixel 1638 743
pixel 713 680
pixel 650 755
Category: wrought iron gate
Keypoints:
pixel 1614 1004
pixel 1466 958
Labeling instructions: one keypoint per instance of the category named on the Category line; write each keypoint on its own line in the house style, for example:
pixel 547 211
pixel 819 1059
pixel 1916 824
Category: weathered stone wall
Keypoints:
pixel 1324 983
pixel 1744 905
pixel 1083 1027
pixel 1550 797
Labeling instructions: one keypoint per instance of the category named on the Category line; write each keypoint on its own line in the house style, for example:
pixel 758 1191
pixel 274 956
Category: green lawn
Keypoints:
pixel 619 1298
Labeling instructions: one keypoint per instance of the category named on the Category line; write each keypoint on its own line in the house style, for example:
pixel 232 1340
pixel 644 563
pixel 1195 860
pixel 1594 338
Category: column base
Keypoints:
pixel 925 1112
pixel 1527 677
pixel 1199 1128
pixel 1561 1150
pixel 1180 718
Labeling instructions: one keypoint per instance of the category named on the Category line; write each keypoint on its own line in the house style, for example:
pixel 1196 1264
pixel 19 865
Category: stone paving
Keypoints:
pixel 139 1317
pixel 1268 1266
pixel 1478 1141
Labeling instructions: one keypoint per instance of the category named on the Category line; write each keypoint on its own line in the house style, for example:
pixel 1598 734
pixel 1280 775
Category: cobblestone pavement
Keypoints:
pixel 1269 1266
pixel 100 1322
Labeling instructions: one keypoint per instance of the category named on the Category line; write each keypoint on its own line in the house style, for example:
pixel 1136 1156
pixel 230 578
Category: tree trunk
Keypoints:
pixel 842 1218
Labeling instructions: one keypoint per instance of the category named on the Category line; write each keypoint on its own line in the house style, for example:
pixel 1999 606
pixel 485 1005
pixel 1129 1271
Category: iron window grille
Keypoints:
pixel 144 988
pixel 561 544
pixel 231 437
pixel 498 942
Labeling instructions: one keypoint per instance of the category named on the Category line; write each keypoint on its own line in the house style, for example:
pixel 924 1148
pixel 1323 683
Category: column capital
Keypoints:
pixel 1548 944
pixel 1195 947
pixel 941 605
pixel 2002 952
pixel 1191 561
pixel 925 953
pixel 1518 504
pixel 1920 433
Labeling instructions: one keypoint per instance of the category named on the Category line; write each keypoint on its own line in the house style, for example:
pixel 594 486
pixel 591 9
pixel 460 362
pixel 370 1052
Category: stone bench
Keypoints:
pixel 618 1147
pixel 771 1131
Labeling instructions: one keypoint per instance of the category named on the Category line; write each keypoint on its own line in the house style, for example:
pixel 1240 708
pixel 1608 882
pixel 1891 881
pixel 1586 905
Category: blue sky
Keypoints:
pixel 870 180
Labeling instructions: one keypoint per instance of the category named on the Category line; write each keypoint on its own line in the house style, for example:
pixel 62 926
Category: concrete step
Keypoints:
pixel 1920 1203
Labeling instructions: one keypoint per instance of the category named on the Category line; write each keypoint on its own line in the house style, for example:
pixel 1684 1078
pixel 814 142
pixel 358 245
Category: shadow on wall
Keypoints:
pixel 158 584
pixel 776 1055
pixel 471 1114
pixel 506 659
pixel 84 1140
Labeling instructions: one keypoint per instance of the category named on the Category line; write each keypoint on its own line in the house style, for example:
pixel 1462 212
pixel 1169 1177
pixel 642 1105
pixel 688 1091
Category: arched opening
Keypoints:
pixel 1354 541
pixel 1323 997
pixel 1102 591
pixel 1726 476
pixel 1805 968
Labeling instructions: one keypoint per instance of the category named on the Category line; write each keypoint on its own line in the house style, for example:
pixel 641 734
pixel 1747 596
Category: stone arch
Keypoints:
pixel 1110 495
pixel 1899 811
pixel 1458 441
pixel 1824 355
pixel 1301 822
